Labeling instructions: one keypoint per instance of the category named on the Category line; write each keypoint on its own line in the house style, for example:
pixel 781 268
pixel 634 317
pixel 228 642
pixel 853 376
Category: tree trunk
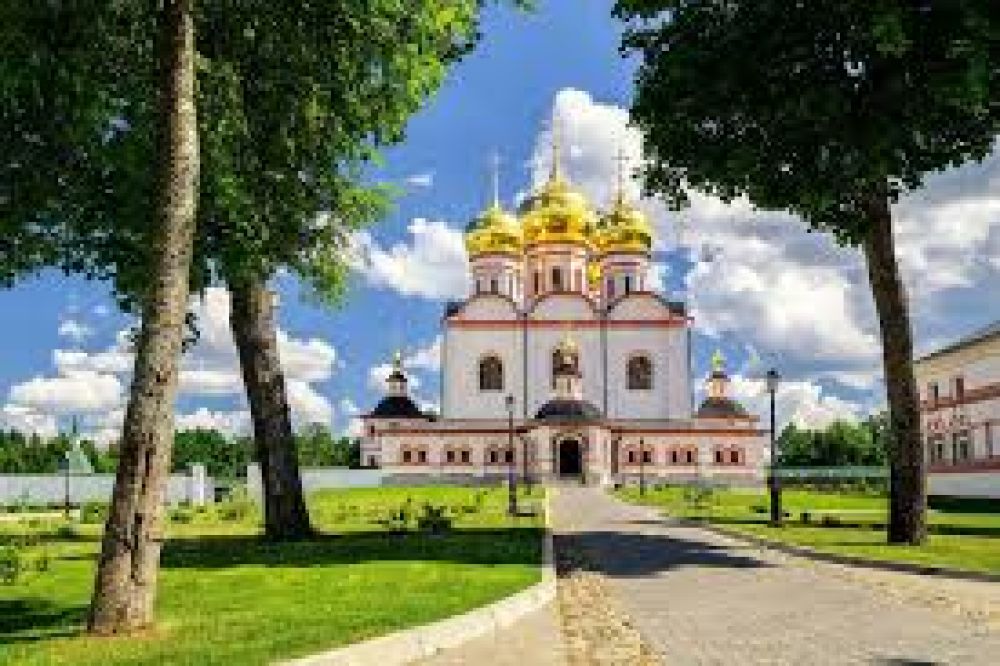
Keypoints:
pixel 907 480
pixel 252 322
pixel 125 587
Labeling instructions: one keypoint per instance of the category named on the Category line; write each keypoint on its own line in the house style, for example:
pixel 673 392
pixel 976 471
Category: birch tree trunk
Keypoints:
pixel 252 321
pixel 125 586
pixel 907 480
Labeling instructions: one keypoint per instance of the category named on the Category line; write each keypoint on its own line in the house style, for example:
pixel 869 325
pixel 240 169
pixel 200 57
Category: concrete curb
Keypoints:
pixel 848 560
pixel 409 645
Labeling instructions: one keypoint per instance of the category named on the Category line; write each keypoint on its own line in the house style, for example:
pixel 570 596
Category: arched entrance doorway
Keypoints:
pixel 570 457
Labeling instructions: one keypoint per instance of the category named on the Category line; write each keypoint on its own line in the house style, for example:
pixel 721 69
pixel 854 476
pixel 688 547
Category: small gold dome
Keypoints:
pixel 624 229
pixel 558 214
pixel 493 231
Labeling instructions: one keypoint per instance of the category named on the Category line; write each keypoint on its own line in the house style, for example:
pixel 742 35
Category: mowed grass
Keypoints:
pixel 228 597
pixel 855 524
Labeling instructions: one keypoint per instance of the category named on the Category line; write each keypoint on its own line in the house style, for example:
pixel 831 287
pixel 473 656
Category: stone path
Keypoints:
pixel 533 640
pixel 699 598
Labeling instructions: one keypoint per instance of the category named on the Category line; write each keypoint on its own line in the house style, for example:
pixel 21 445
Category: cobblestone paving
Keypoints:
pixel 705 599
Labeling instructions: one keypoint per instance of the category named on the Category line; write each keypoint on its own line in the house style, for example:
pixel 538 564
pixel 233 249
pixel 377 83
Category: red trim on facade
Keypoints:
pixel 501 324
pixel 980 465
pixel 613 429
pixel 971 396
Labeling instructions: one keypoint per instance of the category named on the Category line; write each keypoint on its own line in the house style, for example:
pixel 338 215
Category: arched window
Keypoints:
pixel 734 457
pixel 491 374
pixel 640 373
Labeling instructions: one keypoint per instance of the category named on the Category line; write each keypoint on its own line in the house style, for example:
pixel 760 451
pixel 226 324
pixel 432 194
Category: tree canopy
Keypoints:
pixel 808 106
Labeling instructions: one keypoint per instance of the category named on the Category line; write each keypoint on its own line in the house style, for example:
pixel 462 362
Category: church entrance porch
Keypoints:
pixel 570 458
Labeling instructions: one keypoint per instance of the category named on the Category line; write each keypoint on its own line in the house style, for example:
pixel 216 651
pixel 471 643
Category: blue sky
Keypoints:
pixel 761 289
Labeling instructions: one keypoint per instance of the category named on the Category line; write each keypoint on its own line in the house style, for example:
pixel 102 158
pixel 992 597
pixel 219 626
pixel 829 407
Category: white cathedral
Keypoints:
pixel 564 363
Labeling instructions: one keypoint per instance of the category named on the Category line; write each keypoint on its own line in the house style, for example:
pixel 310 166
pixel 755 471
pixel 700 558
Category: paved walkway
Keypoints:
pixel 534 640
pixel 705 599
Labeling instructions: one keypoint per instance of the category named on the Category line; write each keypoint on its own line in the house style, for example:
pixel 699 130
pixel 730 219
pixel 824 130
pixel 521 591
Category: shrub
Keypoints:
pixel 11 563
pixel 434 519
pixel 399 520
pixel 67 532
pixel 94 512
pixel 699 496
pixel 237 506
pixel 182 516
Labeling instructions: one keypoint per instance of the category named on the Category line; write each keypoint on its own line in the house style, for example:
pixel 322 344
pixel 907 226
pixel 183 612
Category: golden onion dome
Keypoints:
pixel 493 231
pixel 624 229
pixel 557 213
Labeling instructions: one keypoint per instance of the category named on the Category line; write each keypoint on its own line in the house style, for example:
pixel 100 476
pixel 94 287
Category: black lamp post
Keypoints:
pixel 511 477
pixel 642 467
pixel 526 475
pixel 64 467
pixel 773 378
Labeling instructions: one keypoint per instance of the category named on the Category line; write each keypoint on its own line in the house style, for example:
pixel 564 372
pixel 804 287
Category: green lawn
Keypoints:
pixel 855 524
pixel 229 598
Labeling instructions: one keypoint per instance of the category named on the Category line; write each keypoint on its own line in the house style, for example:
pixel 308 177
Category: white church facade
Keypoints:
pixel 564 363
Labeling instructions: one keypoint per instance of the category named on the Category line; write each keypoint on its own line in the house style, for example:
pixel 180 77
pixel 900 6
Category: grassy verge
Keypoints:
pixel 227 597
pixel 839 523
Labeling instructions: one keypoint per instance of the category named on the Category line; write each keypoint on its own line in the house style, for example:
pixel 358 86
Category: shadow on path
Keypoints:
pixel 627 555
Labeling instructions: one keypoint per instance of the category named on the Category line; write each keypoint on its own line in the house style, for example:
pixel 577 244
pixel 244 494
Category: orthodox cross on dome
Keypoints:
pixel 495 177
pixel 620 160
pixel 718 379
pixel 396 381
pixel 718 361
pixel 555 174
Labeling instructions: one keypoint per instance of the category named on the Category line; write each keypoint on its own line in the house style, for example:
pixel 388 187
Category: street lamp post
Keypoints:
pixel 525 476
pixel 511 477
pixel 773 378
pixel 64 466
pixel 642 467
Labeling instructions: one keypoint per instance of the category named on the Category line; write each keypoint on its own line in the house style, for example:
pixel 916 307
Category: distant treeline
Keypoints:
pixel 223 455
pixel 840 444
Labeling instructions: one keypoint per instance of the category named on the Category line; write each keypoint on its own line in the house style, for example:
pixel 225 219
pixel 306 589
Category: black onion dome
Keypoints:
pixel 567 409
pixel 719 408
pixel 397 407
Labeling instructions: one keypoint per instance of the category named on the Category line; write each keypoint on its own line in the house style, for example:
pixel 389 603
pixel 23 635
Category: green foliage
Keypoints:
pixel 94 512
pixel 31 454
pixel 293 103
pixel 237 506
pixel 812 107
pixel 224 456
pixel 839 444
pixel 257 600
pixel 11 563
pixel 434 519
pixel 317 447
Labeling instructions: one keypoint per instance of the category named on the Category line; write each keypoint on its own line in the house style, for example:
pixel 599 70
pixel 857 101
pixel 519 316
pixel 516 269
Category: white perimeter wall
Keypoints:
pixel 965 484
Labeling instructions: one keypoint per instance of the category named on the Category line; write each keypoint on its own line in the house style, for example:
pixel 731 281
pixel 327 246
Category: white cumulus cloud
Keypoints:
pixel 433 263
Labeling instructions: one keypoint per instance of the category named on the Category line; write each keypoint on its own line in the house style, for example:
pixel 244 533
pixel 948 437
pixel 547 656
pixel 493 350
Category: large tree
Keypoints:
pixel 292 99
pixel 62 86
pixel 829 109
